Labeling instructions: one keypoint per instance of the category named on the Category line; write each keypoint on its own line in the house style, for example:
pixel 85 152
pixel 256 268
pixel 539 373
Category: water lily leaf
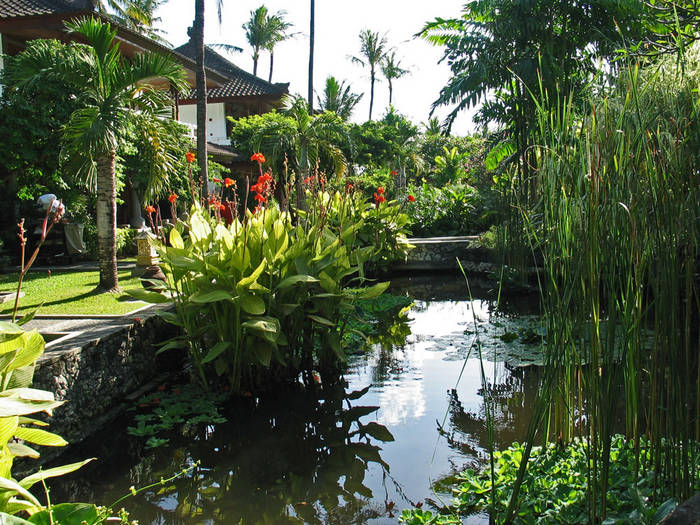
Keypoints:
pixel 216 351
pixel 377 431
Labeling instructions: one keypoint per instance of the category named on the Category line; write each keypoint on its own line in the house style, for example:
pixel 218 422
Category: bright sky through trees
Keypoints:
pixel 338 25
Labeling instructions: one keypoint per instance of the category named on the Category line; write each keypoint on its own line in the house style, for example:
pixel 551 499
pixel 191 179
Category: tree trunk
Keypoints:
pixel 391 91
pixel 371 93
pixel 255 65
pixel 107 221
pixel 312 34
pixel 272 64
pixel 201 80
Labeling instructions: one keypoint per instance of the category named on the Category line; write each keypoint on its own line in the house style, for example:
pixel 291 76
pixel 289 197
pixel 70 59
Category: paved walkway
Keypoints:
pixel 82 266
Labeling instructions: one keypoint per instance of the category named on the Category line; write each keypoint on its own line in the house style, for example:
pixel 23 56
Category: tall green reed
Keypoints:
pixel 617 226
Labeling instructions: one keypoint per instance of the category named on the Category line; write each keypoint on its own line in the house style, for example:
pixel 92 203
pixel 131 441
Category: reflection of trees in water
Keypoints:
pixel 292 457
pixel 512 401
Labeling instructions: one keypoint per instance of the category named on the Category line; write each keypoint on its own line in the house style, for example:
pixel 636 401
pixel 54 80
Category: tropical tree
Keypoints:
pixel 278 33
pixel 197 38
pixel 312 36
pixel 373 49
pixel 338 97
pixel 304 139
pixel 263 31
pixel 137 15
pixel 111 90
pixel 392 70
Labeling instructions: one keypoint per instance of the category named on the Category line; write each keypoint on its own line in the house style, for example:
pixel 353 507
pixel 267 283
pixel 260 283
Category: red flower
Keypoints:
pixel 266 177
pixel 257 188
pixel 218 181
pixel 259 197
pixel 212 199
pixel 259 157
pixel 229 182
pixel 394 172
pixel 190 157
pixel 380 190
pixel 411 198
pixel 172 198
pixel 379 198
pixel 222 207
pixel 150 209
pixel 348 186
pixel 307 180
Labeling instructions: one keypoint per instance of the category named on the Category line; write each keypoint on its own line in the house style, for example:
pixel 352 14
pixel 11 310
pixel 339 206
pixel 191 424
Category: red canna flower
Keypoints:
pixel 218 181
pixel 260 198
pixel 380 190
pixel 394 172
pixel 190 157
pixel 259 157
pixel 348 186
pixel 228 182
pixel 212 199
pixel 172 198
pixel 222 207
pixel 379 198
pixel 150 209
pixel 411 198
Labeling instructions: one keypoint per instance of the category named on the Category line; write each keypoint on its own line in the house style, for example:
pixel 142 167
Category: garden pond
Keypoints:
pixel 410 417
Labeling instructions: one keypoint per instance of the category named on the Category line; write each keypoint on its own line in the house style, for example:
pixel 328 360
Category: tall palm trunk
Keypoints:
pixel 312 34
pixel 391 91
pixel 371 92
pixel 255 63
pixel 272 64
pixel 107 221
pixel 201 81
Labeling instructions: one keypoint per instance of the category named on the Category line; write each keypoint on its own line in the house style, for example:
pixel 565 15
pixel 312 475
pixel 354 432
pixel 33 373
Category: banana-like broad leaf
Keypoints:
pixel 67 514
pixel 9 519
pixel 296 279
pixel 8 426
pixel 12 486
pixel 210 297
pixel 40 437
pixel 7 328
pixel 263 351
pixel 29 481
pixel 176 239
pixel 21 407
pixel 147 296
pixel 251 304
pixel 216 351
pixel 374 291
pixel 20 450
pixel 30 421
pixel 247 281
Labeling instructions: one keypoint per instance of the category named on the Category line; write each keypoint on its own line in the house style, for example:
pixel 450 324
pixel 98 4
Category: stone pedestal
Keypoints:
pixel 146 254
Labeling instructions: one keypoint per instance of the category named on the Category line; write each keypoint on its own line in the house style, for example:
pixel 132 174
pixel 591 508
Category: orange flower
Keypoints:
pixel 380 190
pixel 259 157
pixel 411 198
pixel 150 209
pixel 349 187
pixel 394 172
pixel 229 182
pixel 218 181
pixel 172 198
pixel 260 198
pixel 190 157
pixel 379 198
pixel 222 207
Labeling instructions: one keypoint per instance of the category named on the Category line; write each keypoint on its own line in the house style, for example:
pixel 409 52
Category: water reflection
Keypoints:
pixel 327 455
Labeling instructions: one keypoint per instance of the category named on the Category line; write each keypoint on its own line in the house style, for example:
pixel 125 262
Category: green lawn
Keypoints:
pixel 69 293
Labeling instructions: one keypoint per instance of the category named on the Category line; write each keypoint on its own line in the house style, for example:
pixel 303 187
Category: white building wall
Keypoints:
pixel 216 125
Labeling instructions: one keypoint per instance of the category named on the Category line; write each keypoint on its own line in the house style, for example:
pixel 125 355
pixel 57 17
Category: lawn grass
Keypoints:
pixel 69 293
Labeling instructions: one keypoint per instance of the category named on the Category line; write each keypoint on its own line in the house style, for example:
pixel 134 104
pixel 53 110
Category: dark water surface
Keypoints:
pixel 307 457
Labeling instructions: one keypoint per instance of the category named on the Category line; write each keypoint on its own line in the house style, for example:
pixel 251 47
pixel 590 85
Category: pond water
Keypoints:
pixel 306 457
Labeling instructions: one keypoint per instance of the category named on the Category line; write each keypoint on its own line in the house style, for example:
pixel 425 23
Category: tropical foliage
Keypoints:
pixel 338 98
pixel 373 50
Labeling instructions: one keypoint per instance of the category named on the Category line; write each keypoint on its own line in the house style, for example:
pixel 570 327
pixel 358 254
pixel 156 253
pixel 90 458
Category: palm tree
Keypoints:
pixel 303 141
pixel 257 32
pixel 373 49
pixel 137 15
pixel 312 36
pixel 197 37
pixel 391 68
pixel 278 33
pixel 111 90
pixel 338 98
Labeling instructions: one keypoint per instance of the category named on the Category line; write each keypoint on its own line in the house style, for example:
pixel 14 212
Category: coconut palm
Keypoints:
pixel 373 49
pixel 392 70
pixel 312 36
pixel 304 138
pixel 277 33
pixel 338 98
pixel 258 32
pixel 111 90
pixel 137 15
pixel 197 37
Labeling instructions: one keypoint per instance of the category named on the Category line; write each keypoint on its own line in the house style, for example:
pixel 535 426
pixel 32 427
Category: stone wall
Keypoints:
pixel 97 369
pixel 441 253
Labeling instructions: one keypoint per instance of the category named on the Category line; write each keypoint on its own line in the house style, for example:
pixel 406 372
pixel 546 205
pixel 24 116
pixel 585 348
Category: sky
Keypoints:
pixel 338 25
